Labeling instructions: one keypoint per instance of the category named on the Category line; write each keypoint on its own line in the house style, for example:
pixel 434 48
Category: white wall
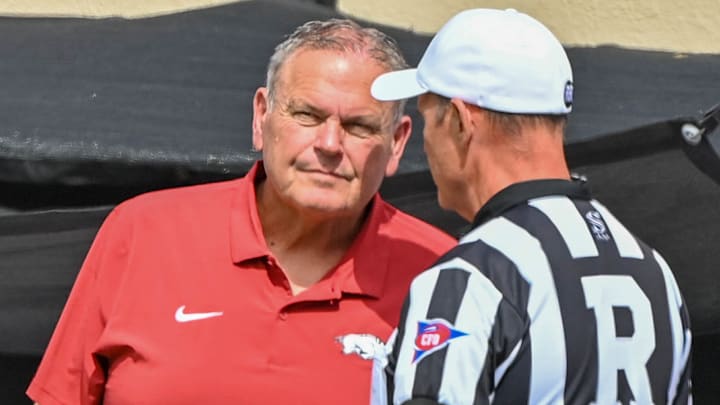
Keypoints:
pixel 691 26
pixel 101 8
pixel 682 26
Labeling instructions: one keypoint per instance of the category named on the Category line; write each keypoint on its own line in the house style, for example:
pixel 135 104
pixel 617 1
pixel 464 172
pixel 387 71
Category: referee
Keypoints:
pixel 549 298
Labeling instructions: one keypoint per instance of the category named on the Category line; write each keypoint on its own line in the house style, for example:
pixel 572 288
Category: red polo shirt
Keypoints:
pixel 180 301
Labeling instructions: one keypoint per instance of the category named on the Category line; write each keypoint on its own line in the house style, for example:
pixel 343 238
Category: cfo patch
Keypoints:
pixel 433 335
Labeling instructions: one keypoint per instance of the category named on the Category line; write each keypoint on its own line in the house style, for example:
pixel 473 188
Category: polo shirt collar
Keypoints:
pixel 364 267
pixel 519 193
pixel 246 236
pixel 361 271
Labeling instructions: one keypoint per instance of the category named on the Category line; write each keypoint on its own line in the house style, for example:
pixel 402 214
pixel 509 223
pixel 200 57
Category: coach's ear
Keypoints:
pixel 261 108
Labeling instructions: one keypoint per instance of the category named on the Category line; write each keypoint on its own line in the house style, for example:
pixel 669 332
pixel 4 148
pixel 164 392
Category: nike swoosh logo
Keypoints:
pixel 182 316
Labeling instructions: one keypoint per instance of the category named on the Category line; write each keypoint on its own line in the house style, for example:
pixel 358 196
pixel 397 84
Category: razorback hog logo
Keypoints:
pixel 433 335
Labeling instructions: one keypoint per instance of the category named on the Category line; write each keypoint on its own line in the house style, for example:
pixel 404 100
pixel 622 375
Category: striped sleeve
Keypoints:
pixel 443 351
pixel 679 388
pixel 540 376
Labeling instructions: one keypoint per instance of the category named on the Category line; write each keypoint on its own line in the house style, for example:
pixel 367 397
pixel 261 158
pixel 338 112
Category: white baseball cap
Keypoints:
pixel 501 60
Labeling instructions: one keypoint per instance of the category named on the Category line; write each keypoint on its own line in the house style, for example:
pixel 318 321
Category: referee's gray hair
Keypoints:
pixel 340 35
pixel 509 123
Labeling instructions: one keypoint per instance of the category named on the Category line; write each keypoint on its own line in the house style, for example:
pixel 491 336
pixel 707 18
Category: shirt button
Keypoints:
pixel 283 316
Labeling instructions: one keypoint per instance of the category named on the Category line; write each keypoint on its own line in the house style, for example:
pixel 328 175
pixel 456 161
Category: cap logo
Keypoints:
pixel 568 94
pixel 433 335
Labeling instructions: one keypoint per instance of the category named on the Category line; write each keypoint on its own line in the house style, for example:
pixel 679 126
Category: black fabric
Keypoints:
pixel 167 100
pixel 705 154
pixel 95 111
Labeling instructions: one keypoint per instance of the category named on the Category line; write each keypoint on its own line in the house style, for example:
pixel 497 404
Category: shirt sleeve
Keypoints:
pixel 381 370
pixel 684 387
pixel 680 391
pixel 443 351
pixel 70 373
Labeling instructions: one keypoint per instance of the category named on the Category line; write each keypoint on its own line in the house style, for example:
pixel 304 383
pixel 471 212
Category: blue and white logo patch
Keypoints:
pixel 433 335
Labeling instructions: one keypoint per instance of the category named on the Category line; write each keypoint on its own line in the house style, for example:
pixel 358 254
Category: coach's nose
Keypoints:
pixel 329 137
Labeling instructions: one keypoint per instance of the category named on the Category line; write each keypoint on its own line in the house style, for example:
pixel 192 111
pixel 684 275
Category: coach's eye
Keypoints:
pixel 306 117
pixel 360 129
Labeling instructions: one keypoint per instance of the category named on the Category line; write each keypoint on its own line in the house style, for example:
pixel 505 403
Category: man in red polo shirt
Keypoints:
pixel 242 292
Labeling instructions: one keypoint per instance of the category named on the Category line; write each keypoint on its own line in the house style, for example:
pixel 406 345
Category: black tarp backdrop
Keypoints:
pixel 95 111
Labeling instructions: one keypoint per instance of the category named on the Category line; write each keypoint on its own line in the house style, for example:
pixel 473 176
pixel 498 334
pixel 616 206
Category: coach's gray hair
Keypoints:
pixel 343 36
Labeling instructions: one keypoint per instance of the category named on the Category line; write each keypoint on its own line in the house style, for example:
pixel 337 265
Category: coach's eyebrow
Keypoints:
pixel 302 105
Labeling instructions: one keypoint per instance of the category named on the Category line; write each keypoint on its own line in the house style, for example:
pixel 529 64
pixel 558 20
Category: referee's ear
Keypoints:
pixel 463 123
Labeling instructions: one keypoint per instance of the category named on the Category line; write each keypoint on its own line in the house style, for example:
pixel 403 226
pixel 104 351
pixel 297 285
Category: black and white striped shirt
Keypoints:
pixel 548 300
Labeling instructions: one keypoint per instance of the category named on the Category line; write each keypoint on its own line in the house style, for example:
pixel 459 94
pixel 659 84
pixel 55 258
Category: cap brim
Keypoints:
pixel 397 85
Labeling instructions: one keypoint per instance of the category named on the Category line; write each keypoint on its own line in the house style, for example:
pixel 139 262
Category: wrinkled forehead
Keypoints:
pixel 331 73
pixel 361 59
pixel 336 81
